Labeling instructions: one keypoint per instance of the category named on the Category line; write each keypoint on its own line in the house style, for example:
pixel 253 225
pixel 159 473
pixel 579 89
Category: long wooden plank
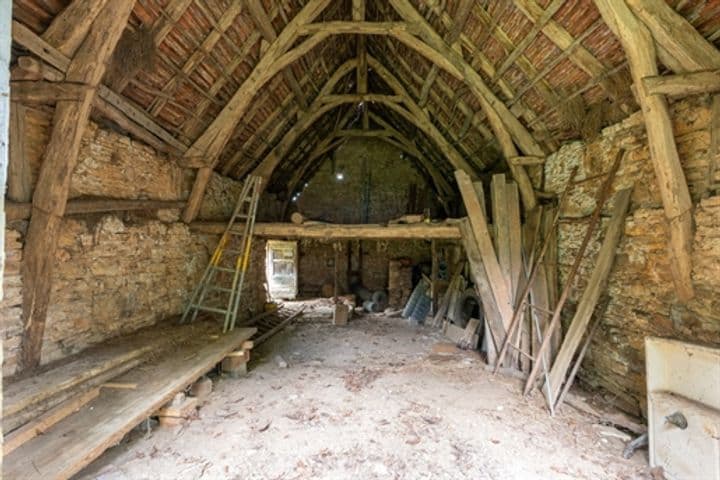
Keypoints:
pixel 82 437
pixel 481 232
pixel 501 222
pixel 482 287
pixel 596 285
pixel 24 394
pixel 332 231
pixel 46 420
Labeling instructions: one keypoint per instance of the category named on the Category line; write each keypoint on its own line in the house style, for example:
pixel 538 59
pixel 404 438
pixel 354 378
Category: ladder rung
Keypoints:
pixel 209 309
pixel 219 289
pixel 224 269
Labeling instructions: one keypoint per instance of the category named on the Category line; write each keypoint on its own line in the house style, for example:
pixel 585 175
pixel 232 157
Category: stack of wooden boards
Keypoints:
pixel 517 281
pixel 61 419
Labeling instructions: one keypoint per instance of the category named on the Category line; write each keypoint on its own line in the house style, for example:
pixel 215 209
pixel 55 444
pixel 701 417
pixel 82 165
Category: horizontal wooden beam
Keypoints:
pixel 43 92
pixel 329 231
pixel 683 84
pixel 21 211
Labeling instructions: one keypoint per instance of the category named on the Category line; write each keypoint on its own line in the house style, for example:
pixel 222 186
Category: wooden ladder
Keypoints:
pixel 225 274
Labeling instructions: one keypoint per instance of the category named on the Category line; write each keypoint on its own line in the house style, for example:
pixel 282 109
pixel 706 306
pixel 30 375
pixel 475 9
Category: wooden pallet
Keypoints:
pixel 80 438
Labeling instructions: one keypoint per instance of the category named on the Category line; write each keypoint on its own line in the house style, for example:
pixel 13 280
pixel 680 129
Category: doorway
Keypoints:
pixel 281 269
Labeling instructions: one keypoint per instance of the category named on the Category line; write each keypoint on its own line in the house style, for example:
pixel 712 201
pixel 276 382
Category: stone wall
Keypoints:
pixel 316 263
pixel 642 298
pixel 117 273
pixel 376 185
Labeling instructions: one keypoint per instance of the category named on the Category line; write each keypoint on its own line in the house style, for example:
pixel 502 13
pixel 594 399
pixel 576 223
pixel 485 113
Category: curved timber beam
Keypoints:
pixel 415 32
pixel 401 103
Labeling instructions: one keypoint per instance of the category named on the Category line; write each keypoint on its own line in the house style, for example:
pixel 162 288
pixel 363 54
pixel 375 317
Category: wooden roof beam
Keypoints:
pixel 463 13
pixel 358 15
pixel 640 49
pixel 212 141
pixel 505 125
pixel 674 34
pixel 557 34
pixel 68 29
pixel 529 37
pixel 264 24
pixel 683 84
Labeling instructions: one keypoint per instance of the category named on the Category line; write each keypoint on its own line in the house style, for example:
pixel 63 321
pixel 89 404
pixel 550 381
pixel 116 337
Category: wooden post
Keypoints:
pixel 51 191
pixel 672 186
pixel 19 182
pixel 5 42
pixel 434 267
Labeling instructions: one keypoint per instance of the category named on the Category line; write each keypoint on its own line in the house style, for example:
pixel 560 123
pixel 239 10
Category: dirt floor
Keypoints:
pixel 371 400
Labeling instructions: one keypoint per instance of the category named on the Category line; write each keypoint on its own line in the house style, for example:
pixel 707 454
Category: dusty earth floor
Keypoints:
pixel 370 400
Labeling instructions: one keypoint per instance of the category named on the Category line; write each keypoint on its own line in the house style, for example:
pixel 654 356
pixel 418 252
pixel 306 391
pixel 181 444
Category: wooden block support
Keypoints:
pixel 235 363
pixel 176 413
pixel 341 314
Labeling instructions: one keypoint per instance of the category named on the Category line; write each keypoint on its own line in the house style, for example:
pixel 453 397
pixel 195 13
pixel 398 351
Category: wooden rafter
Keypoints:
pixel 505 125
pixel 197 57
pixel 458 24
pixel 640 49
pixel 529 37
pixel 688 49
pixel 51 192
pixel 213 140
pixel 264 24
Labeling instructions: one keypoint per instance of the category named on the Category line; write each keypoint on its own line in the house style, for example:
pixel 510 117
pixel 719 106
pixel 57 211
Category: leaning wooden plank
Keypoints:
pixel 595 286
pixel 482 286
pixel 45 421
pixel 501 222
pixel 481 235
pixel 80 438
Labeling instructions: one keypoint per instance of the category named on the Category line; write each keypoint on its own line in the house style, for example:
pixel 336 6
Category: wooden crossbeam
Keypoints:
pixel 672 186
pixel 51 191
pixel 683 84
